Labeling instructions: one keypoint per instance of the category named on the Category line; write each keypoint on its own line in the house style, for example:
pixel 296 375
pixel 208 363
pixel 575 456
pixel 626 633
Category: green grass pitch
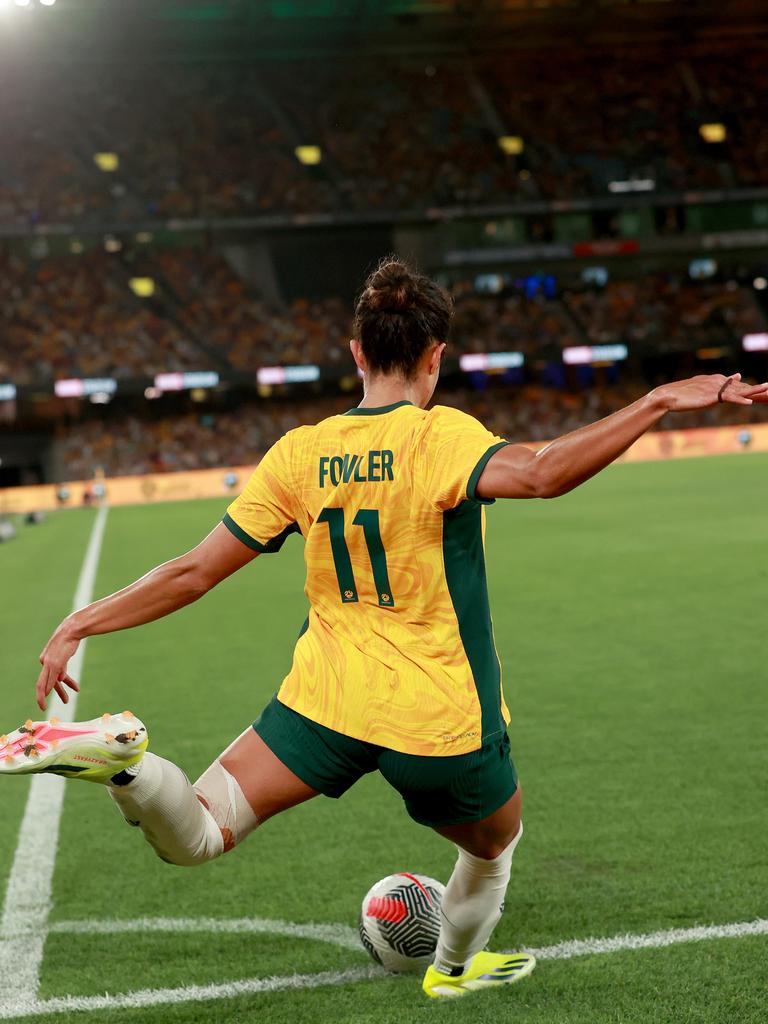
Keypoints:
pixel 629 621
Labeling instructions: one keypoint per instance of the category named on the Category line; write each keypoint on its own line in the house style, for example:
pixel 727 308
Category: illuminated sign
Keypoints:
pixel 186 381
pixel 755 342
pixel 75 387
pixel 287 374
pixel 472 361
pixel 594 354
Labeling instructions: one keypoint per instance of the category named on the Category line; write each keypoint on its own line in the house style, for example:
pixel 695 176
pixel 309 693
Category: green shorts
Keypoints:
pixel 437 790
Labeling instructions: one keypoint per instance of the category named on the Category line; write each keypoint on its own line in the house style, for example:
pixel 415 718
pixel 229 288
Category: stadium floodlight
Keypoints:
pixel 309 155
pixel 714 132
pixel 512 145
pixel 107 162
pixel 144 287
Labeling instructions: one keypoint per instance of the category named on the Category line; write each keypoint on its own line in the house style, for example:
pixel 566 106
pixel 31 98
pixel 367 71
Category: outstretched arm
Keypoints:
pixel 163 590
pixel 517 472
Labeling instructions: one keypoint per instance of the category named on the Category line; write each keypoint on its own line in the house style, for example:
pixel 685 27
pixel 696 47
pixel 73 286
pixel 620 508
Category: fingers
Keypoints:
pixel 50 679
pixel 42 689
pixel 737 393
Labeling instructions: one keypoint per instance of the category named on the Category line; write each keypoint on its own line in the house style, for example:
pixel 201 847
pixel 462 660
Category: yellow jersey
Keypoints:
pixel 398 648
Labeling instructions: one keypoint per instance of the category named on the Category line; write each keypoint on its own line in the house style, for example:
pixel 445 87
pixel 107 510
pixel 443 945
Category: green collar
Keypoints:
pixel 371 411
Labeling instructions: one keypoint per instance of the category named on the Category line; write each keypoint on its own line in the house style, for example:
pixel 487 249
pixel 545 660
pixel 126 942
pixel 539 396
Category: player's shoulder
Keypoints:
pixel 446 419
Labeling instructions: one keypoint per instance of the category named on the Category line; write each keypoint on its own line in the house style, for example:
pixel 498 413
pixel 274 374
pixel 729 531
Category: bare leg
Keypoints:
pixel 267 784
pixel 489 837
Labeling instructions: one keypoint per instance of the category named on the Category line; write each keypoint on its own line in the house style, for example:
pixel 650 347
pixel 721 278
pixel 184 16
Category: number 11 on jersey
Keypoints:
pixel 368 519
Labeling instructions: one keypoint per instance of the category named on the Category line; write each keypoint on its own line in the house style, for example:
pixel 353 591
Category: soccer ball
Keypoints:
pixel 400 921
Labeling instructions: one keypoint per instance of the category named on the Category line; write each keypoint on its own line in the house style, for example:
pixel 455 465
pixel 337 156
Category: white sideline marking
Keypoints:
pixel 335 934
pixel 28 896
pixel 200 993
pixel 253 986
pixel 652 940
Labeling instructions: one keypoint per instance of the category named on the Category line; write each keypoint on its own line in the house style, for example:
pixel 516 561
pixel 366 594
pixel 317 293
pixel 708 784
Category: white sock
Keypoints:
pixel 163 803
pixel 472 906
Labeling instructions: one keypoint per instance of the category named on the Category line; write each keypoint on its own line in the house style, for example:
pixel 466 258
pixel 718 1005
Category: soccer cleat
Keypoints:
pixel 486 970
pixel 95 751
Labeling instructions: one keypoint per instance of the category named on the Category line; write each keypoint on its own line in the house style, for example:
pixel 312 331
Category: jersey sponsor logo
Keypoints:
pixel 470 734
pixel 376 466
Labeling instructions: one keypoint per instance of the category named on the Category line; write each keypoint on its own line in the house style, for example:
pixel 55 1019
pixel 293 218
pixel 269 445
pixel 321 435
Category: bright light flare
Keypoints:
pixel 512 145
pixel 308 155
pixel 713 132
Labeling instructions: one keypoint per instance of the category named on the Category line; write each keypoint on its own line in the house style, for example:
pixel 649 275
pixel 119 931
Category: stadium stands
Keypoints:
pixel 76 316
pixel 417 134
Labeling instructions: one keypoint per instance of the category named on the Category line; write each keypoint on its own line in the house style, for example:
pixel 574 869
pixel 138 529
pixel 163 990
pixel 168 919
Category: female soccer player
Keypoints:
pixel 396 668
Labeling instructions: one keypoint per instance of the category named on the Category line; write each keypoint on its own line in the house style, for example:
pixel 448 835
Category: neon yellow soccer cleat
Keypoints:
pixel 486 970
pixel 95 751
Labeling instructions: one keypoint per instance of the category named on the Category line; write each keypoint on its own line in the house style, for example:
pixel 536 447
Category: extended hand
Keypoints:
pixel 54 659
pixel 705 390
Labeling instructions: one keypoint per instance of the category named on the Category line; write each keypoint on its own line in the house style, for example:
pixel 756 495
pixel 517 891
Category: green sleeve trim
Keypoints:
pixel 263 549
pixel 478 471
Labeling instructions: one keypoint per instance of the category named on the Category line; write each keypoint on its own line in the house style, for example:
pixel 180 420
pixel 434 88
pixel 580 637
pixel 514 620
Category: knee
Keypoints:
pixel 224 802
pixel 496 844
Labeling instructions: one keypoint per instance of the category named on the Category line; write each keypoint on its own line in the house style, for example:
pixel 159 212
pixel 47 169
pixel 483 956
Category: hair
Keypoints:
pixel 398 315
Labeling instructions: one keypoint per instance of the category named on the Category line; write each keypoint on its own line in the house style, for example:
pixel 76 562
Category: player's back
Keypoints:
pixel 398 648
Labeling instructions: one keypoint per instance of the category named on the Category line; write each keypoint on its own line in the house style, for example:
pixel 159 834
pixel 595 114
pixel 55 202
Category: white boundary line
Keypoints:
pixel 28 895
pixel 335 934
pixel 325 933
pixel 651 940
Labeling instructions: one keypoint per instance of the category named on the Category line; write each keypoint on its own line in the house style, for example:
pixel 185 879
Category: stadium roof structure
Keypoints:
pixel 304 28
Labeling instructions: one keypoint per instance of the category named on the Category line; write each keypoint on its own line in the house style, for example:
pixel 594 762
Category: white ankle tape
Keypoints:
pixel 220 792
pixel 185 825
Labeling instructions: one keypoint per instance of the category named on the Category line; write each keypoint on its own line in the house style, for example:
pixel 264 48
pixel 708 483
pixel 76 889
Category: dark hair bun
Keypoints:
pixel 392 288
pixel 398 315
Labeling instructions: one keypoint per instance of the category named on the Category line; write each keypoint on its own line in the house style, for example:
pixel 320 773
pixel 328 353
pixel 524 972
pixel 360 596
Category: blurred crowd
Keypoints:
pixel 133 445
pixel 220 140
pixel 77 316
pixel 666 313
